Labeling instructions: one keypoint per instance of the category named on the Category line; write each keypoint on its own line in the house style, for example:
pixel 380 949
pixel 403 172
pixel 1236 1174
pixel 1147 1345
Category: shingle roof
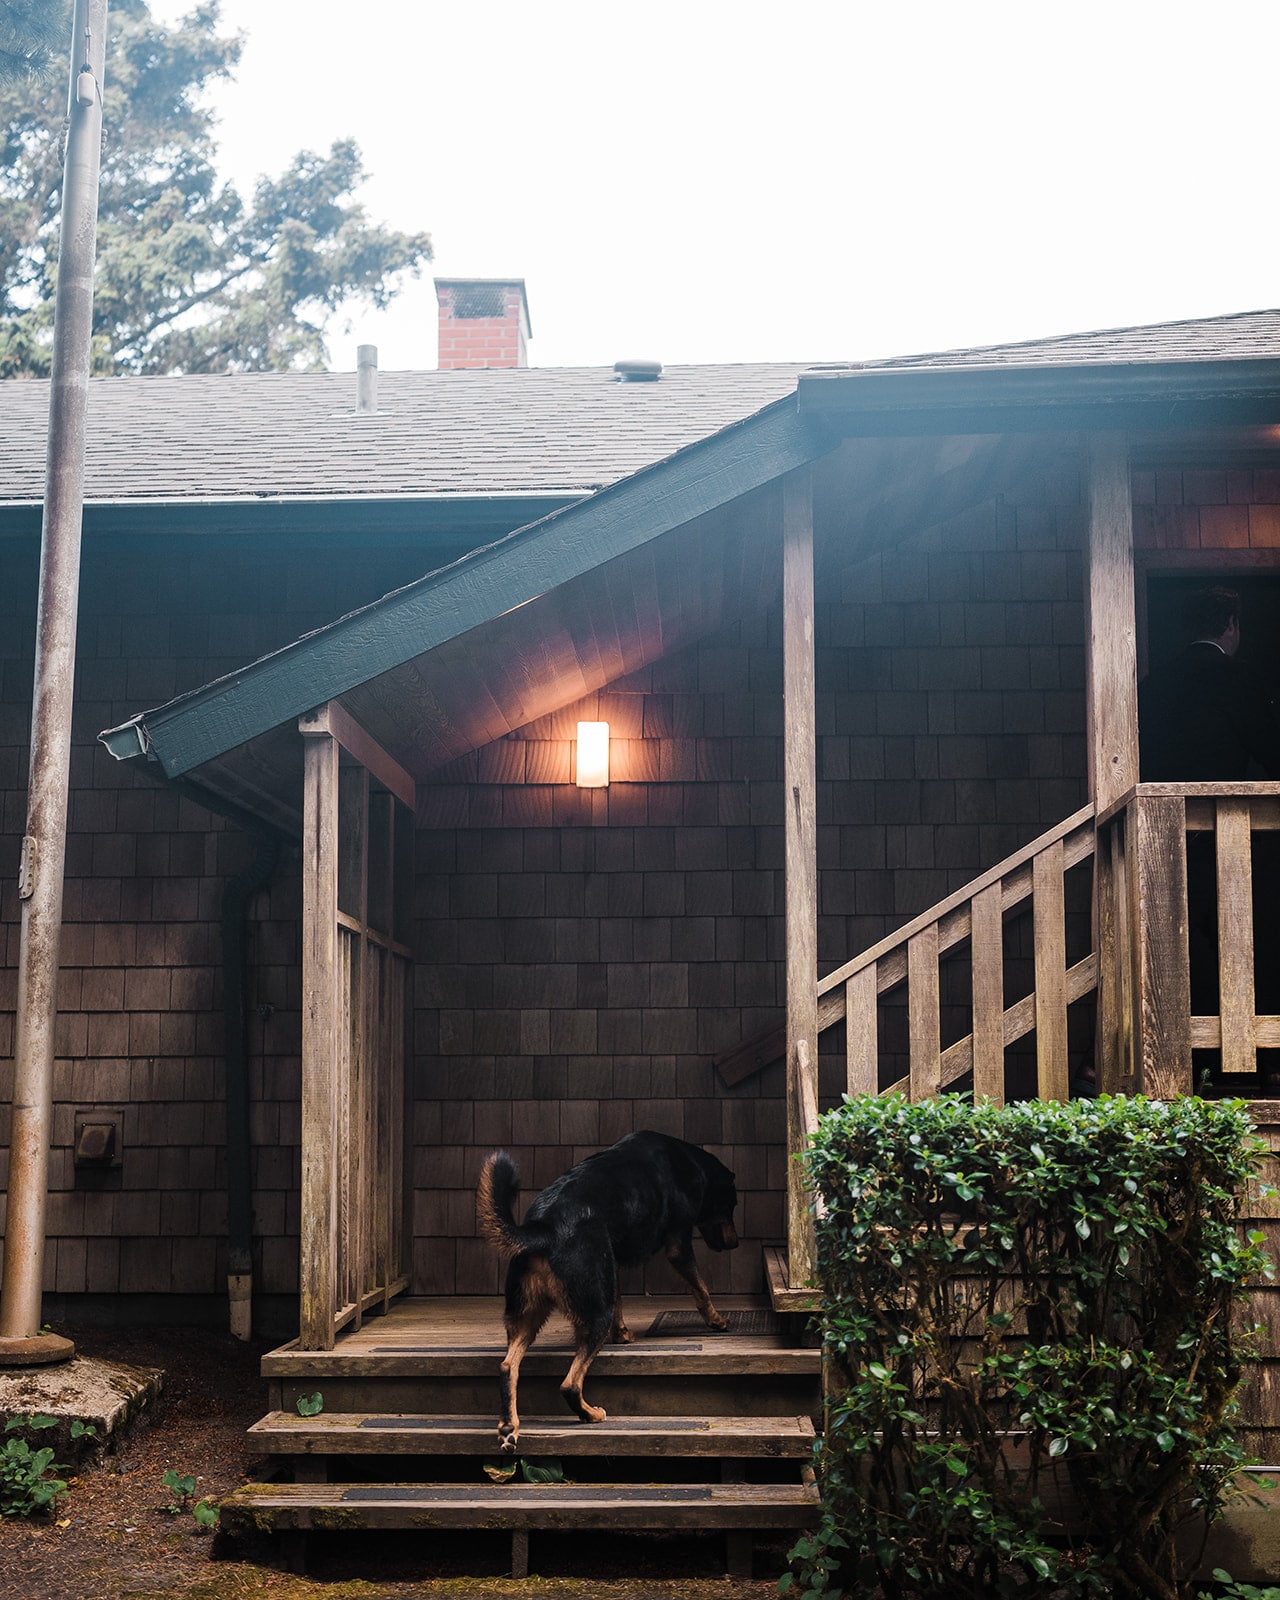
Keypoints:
pixel 531 430
pixel 1247 334
pixel 523 431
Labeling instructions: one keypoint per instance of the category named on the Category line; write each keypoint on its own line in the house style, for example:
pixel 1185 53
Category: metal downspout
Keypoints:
pixel 235 947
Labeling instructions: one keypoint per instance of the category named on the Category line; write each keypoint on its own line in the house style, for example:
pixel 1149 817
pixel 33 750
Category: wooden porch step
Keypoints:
pixel 680 1357
pixel 372 1433
pixel 781 1295
pixel 348 1507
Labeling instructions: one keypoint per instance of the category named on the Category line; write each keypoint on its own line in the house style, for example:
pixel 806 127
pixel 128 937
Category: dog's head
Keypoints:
pixel 715 1221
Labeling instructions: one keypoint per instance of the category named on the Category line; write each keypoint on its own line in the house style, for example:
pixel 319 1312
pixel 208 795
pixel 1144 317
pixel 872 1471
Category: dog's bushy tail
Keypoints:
pixel 496 1196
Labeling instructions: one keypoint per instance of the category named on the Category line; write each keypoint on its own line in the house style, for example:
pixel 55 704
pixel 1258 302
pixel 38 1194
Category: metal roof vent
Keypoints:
pixel 638 371
pixel 366 379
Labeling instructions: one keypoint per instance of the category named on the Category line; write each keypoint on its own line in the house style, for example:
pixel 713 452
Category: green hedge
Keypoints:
pixel 1022 1303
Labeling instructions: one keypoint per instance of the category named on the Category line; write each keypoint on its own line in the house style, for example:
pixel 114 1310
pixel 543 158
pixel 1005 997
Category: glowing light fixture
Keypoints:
pixel 593 755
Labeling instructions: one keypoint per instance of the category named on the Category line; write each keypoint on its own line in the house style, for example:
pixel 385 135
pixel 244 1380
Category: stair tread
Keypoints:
pixel 663 1357
pixel 337 1506
pixel 355 1432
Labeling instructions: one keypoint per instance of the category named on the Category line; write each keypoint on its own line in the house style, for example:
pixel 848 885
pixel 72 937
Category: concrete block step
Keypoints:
pixel 373 1433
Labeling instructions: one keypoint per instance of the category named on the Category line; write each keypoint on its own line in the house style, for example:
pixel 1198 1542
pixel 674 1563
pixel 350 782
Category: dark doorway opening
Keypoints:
pixel 1259 617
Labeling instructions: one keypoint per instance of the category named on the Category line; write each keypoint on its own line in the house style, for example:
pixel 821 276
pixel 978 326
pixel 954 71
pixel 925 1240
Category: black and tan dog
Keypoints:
pixel 646 1193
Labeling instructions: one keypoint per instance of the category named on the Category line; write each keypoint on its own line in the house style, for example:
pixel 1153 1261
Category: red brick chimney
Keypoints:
pixel 484 322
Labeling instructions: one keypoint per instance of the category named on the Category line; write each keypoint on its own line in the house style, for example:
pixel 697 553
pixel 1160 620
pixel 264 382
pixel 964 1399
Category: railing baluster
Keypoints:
pixel 1158 921
pixel 1049 919
pixel 923 1013
pixel 1235 937
pixel 987 944
pixel 862 1033
pixel 1123 959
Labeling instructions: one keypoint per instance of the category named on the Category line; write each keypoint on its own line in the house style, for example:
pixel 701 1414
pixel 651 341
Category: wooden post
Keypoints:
pixel 1113 909
pixel 1111 707
pixel 1158 921
pixel 317 1267
pixel 801 853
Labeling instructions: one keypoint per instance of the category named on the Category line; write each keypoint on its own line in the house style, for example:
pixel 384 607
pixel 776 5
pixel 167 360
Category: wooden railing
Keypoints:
pixel 973 915
pixel 358 833
pixel 1178 870
pixel 368 1125
pixel 912 959
pixel 1150 911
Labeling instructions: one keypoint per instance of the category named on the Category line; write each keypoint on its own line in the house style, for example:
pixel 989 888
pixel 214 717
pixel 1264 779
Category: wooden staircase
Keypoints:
pixel 704 1432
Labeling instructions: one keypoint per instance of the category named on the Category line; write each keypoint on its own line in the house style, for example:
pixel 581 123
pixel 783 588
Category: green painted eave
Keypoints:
pixel 321 520
pixel 487 583
pixel 1136 395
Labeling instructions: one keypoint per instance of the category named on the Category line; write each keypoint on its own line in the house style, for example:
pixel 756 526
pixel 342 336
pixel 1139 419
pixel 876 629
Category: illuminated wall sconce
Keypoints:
pixel 593 755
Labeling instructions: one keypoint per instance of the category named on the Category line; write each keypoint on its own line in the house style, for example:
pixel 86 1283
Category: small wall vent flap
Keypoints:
pixel 98 1140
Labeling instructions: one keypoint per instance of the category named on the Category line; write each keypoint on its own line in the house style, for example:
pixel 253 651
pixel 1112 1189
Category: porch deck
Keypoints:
pixel 420 1337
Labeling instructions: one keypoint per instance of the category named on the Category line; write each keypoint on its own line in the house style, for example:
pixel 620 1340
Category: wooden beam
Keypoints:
pixel 334 719
pixel 320 1011
pixel 801 851
pixel 1111 704
pixel 1112 657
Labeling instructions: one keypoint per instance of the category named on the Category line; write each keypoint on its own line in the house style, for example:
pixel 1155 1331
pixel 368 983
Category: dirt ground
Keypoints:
pixel 112 1538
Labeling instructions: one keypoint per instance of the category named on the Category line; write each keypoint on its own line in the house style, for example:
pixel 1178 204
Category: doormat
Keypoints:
pixel 672 1324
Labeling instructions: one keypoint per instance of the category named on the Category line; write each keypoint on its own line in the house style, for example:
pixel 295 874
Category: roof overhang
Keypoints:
pixel 593 591
pixel 877 401
pixel 482 588
pixel 480 517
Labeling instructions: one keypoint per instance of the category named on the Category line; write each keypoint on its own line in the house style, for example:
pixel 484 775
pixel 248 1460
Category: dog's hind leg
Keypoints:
pixel 588 1338
pixel 529 1302
pixel 589 1277
pixel 680 1255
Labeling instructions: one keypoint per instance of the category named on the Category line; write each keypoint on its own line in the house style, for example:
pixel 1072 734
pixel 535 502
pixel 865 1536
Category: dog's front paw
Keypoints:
pixel 508 1438
pixel 625 1335
pixel 716 1321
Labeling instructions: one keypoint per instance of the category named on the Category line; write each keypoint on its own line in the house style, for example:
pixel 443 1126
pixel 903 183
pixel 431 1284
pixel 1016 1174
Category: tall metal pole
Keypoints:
pixel 44 846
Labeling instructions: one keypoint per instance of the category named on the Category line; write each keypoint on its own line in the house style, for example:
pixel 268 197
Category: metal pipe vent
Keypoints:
pixel 366 379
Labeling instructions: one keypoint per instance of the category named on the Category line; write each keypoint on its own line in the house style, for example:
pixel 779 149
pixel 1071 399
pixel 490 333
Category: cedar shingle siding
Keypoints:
pixel 580 956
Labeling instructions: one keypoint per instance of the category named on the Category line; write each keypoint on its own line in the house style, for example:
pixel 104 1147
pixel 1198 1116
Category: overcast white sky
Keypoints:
pixel 696 180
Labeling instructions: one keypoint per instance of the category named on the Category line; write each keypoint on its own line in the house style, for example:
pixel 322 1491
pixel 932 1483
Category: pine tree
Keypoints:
pixel 190 277
pixel 32 34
